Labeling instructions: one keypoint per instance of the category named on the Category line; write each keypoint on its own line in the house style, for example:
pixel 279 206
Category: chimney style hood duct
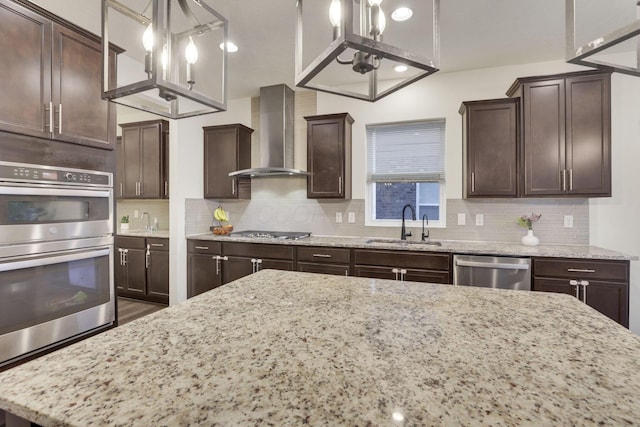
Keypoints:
pixel 276 135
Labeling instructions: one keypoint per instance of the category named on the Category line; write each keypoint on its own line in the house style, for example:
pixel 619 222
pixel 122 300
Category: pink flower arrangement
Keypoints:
pixel 527 221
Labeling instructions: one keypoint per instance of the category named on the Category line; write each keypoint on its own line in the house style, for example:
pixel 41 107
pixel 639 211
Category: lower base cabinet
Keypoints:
pixel 400 265
pixel 336 261
pixel 242 259
pixel 142 268
pixel 601 284
pixel 204 270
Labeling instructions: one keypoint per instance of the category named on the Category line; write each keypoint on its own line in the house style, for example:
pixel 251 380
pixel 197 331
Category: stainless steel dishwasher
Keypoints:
pixel 492 272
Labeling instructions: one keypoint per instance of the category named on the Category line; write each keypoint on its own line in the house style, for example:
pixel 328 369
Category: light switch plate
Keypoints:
pixel 135 213
pixel 568 221
pixel 351 217
pixel 338 217
pixel 462 219
pixel 479 220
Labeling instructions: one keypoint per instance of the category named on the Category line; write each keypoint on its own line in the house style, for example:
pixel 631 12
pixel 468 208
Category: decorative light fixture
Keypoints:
pixel 370 75
pixel 163 49
pixel 608 50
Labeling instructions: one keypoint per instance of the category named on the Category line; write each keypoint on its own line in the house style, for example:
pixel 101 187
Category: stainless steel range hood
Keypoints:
pixel 276 135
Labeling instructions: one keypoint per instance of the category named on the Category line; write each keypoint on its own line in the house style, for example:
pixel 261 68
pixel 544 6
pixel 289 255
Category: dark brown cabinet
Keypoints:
pixel 566 122
pixel 601 284
pixel 227 149
pixel 143 160
pixel 329 156
pixel 401 265
pixel 204 266
pixel 490 138
pixel 323 260
pixel 142 268
pixel 52 78
pixel 242 259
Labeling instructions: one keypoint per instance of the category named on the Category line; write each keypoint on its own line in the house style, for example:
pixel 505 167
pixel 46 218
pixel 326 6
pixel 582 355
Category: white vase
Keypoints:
pixel 529 239
pixel 124 226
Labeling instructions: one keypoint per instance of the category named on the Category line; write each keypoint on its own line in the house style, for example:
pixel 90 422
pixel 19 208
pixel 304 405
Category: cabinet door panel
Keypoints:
pixel 325 158
pixel 25 70
pixel 610 299
pixel 84 117
pixel 276 264
pixel 374 272
pixel 220 149
pixel 558 286
pixel 136 272
pixel 158 276
pixel 492 141
pixel 202 274
pixel 235 268
pixel 151 170
pixel 427 276
pixel 588 125
pixel 544 137
pixel 131 162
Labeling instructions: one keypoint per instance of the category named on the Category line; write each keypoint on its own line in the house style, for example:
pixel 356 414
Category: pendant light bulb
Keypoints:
pixel 375 2
pixel 165 57
pixel 147 38
pixel 191 52
pixel 335 11
pixel 382 21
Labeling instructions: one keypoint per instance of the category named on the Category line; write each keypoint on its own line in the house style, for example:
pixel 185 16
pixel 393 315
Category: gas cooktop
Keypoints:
pixel 282 235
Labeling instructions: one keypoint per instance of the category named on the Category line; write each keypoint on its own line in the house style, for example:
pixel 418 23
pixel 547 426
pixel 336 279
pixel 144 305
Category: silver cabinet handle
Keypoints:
pixel 321 256
pixel 564 180
pixel 121 189
pixel 395 271
pixel 473 182
pixel 580 270
pixel 202 247
pixel 575 283
pixel 258 265
pixel 233 186
pixel 403 273
pixel 50 110
pixel 346 272
pixel 158 245
pixel 570 179
pixel 584 284
pixel 218 258
pixel 142 188
pixel 253 265
pixel 340 184
pixel 137 183
pixel 126 256
pixel 147 256
pixel 166 188
pixel 60 118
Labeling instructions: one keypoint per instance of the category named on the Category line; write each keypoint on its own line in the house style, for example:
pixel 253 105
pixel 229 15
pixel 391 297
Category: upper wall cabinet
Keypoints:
pixel 566 122
pixel 490 147
pixel 52 78
pixel 227 148
pixel 329 156
pixel 143 160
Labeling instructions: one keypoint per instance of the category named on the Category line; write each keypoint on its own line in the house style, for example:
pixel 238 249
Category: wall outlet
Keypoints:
pixel 135 213
pixel 351 217
pixel 479 220
pixel 568 221
pixel 338 217
pixel 462 219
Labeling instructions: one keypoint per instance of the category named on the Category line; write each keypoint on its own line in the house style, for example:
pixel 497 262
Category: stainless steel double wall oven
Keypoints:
pixel 56 256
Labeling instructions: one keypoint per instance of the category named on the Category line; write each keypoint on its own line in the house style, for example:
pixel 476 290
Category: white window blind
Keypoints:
pixel 406 152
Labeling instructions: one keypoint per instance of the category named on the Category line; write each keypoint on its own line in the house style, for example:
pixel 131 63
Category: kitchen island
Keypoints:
pixel 286 348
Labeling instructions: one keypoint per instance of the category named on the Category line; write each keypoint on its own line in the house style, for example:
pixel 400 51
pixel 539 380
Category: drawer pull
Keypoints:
pixel 161 245
pixel 202 247
pixel 580 270
pixel 321 256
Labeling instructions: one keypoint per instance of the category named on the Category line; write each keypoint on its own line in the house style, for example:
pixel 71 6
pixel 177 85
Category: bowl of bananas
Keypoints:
pixel 221 216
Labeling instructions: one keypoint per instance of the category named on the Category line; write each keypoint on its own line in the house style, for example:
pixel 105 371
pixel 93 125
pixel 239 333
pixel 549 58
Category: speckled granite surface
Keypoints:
pixel 142 233
pixel 285 348
pixel 453 246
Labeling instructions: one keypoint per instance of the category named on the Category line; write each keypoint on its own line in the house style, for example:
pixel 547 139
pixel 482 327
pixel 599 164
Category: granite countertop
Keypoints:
pixel 452 246
pixel 164 234
pixel 288 348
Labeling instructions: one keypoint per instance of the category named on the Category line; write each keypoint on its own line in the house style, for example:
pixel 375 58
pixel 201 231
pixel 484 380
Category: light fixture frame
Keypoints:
pixel 161 14
pixel 581 54
pixel 349 39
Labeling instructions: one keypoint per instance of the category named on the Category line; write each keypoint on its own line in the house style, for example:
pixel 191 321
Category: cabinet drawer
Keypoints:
pixel 337 270
pixel 257 250
pixel 158 243
pixel 422 260
pixel 130 242
pixel 581 268
pixel 204 247
pixel 321 254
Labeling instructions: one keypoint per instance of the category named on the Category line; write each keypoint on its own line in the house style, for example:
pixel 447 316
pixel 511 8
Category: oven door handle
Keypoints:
pixel 57 259
pixel 48 191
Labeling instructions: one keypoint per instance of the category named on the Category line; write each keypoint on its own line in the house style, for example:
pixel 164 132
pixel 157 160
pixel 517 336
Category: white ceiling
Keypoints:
pixel 474 34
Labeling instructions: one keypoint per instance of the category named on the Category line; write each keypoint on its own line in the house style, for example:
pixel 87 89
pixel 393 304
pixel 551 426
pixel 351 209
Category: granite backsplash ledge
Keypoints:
pixel 318 217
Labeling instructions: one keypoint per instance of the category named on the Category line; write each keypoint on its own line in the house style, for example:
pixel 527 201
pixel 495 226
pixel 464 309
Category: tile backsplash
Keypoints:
pixel 156 209
pixel 318 217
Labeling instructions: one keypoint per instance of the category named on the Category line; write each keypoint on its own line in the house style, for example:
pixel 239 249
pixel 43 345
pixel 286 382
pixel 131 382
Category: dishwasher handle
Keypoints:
pixel 500 265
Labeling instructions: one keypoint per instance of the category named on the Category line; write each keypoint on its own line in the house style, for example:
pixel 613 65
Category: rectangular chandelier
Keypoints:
pixel 604 33
pixel 173 63
pixel 360 49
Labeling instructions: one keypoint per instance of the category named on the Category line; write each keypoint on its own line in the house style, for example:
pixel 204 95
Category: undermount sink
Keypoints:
pixel 405 242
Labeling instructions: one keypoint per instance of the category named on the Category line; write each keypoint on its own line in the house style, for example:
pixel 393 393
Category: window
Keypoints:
pixel 405 165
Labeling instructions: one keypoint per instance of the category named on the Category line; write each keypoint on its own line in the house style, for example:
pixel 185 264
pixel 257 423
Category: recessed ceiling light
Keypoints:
pixel 401 14
pixel 231 47
pixel 400 68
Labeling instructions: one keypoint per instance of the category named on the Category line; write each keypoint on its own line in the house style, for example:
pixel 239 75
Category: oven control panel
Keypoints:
pixel 20 172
